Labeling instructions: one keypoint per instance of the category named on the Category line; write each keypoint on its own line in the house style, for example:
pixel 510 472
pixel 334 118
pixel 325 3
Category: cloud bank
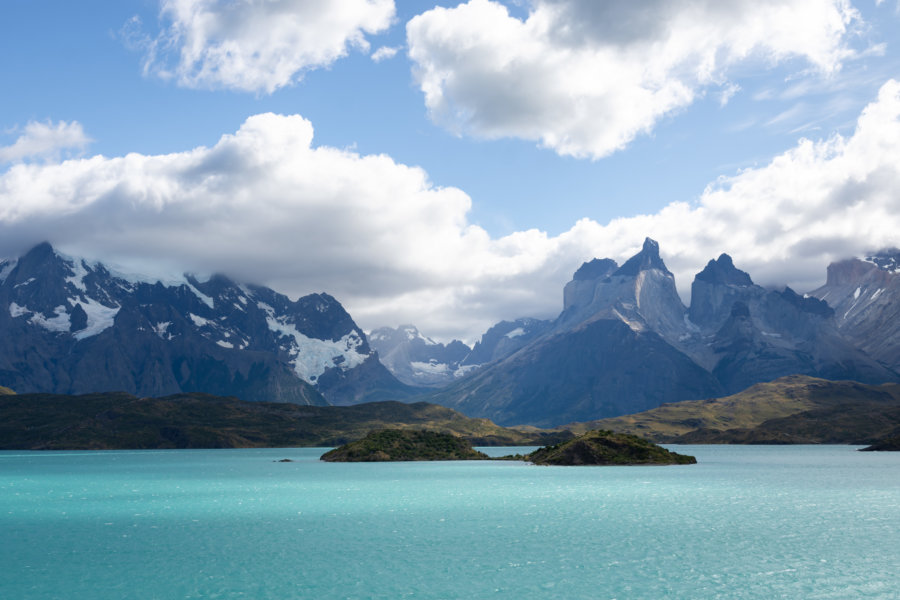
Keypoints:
pixel 258 45
pixel 45 141
pixel 265 204
pixel 585 78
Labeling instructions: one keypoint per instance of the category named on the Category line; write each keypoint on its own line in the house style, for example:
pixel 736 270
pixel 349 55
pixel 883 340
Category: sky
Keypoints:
pixel 450 164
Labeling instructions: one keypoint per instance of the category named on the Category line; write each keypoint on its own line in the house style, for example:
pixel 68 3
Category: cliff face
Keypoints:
pixel 865 296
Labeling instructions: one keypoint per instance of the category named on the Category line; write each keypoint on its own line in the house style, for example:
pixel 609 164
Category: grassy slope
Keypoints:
pixel 5 391
pixel 118 420
pixel 795 409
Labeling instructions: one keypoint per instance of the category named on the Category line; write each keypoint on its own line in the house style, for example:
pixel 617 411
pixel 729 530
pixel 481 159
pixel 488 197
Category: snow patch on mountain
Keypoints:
pixel 430 368
pixel 17 311
pixel 99 318
pixel 198 320
pixel 516 332
pixel 203 297
pixel 162 330
pixel 59 323
pixel 310 357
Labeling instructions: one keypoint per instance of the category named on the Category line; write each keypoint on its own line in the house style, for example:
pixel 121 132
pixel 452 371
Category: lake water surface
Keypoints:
pixel 797 522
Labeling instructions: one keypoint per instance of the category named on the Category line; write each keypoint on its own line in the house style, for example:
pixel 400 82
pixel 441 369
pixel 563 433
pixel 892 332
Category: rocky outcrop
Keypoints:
pixel 605 448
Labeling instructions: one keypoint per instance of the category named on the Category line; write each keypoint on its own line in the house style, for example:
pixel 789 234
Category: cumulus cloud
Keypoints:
pixel 46 141
pixel 585 78
pixel 265 204
pixel 258 45
pixel 385 52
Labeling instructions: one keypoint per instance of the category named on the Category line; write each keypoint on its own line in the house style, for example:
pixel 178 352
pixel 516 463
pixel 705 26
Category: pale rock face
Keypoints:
pixel 641 293
pixel 865 295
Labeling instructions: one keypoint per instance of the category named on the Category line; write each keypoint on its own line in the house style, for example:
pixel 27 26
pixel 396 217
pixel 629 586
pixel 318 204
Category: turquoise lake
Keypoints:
pixel 797 522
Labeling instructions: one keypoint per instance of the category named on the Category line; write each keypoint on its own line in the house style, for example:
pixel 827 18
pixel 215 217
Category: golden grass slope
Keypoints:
pixel 763 403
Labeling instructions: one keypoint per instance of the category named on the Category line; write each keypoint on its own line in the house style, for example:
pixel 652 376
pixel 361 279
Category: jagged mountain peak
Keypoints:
pixel 722 270
pixel 647 259
pixel 597 268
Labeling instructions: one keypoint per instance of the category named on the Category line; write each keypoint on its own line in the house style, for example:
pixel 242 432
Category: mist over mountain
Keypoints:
pixel 70 326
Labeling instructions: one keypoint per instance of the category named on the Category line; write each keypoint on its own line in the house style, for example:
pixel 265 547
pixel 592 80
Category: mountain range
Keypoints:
pixel 623 343
pixel 420 361
pixel 72 327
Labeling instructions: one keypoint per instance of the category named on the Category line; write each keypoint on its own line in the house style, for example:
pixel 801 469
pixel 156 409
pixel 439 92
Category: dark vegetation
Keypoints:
pixel 404 445
pixel 122 421
pixel 591 448
pixel 607 448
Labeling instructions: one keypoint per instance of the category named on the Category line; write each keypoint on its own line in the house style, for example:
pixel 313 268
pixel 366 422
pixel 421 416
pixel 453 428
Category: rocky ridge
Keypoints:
pixel 73 326
pixel 624 342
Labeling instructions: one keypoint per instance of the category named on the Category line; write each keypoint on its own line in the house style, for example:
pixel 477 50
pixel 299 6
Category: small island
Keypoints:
pixel 591 448
pixel 601 447
pixel 404 445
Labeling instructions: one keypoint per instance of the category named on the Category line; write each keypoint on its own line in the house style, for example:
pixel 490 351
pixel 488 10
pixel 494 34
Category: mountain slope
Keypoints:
pixel 864 295
pixel 70 326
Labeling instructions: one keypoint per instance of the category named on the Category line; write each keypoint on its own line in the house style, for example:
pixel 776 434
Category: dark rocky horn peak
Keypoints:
pixel 40 255
pixel 723 271
pixel 648 258
pixel 595 269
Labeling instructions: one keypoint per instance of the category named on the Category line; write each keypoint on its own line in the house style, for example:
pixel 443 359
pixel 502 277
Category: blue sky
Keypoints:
pixel 555 131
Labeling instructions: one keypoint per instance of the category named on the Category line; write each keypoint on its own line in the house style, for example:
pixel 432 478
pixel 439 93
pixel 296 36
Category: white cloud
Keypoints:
pixel 385 52
pixel 258 45
pixel 728 93
pixel 45 140
pixel 267 205
pixel 585 78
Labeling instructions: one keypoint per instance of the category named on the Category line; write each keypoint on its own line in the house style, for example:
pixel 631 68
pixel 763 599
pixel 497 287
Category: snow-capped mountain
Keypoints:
pixel 865 295
pixel 418 360
pixel 72 326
